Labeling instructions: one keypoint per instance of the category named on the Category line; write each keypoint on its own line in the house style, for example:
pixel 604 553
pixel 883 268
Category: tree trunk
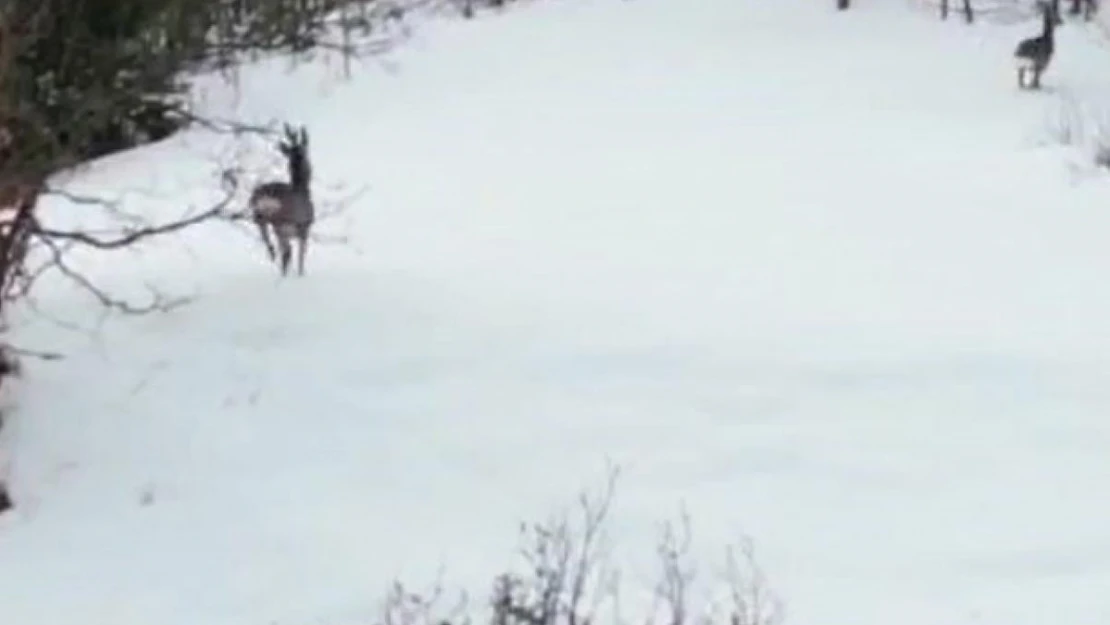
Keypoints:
pixel 1086 8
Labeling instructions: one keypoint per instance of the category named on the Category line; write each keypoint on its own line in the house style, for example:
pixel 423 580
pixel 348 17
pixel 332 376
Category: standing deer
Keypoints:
pixel 1034 54
pixel 285 208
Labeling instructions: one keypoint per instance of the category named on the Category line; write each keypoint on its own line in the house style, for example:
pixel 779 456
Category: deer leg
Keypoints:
pixel 285 246
pixel 264 231
pixel 302 241
pixel 286 254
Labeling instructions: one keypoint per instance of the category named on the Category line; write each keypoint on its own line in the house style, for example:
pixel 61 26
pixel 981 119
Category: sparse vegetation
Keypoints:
pixel 564 575
pixel 79 80
pixel 1082 125
pixel 82 80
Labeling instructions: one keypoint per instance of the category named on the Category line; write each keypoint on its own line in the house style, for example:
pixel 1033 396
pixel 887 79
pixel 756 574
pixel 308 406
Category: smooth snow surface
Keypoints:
pixel 814 275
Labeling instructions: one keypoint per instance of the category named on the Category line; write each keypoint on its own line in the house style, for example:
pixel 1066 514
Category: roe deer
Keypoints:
pixel 285 208
pixel 1033 54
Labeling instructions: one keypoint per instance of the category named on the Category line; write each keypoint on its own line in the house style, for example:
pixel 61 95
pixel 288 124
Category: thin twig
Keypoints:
pixel 158 301
pixel 137 234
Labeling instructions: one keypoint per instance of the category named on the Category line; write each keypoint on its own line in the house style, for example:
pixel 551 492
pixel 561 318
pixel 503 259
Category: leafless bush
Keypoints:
pixel 405 606
pixel 1081 124
pixel 737 592
pixel 35 152
pixel 565 575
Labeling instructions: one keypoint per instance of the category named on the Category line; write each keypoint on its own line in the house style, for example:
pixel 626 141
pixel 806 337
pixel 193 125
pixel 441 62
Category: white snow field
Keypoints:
pixel 813 275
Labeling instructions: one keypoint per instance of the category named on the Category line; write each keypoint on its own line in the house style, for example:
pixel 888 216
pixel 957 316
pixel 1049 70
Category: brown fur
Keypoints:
pixel 285 209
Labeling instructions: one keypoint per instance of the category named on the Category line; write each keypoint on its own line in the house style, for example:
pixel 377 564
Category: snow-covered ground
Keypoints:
pixel 814 275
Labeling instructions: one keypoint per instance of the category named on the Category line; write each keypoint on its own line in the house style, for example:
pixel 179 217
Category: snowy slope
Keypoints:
pixel 813 275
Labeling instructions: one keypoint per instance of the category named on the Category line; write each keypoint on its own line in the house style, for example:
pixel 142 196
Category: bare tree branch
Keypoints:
pixel 566 570
pixel 752 603
pixel 137 234
pixel 34 353
pixel 158 301
pixel 676 573
pixel 59 243
pixel 233 127
pixel 403 606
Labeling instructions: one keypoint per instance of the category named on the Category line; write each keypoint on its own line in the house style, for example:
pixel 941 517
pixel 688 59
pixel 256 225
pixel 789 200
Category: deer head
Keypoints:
pixel 294 146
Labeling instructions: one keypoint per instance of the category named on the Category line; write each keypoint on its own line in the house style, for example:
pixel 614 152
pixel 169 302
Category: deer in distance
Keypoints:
pixel 1034 54
pixel 285 209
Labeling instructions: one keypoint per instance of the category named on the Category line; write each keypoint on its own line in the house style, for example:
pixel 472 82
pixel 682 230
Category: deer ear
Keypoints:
pixel 290 134
pixel 304 137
